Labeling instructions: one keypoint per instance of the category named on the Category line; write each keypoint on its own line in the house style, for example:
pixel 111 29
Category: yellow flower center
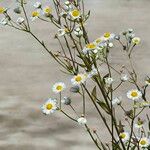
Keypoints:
pixel 59 87
pixel 91 46
pixel 48 10
pixel 78 78
pixel 2 10
pixel 35 14
pixel 75 13
pixel 122 135
pixel 134 94
pixel 142 142
pixel 98 40
pixel 107 34
pixel 49 106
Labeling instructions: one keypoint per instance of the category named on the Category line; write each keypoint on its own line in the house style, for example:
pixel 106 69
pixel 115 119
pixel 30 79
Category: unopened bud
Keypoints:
pixel 74 89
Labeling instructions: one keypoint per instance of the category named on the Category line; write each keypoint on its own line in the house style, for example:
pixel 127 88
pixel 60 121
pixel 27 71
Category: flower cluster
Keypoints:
pixel 84 60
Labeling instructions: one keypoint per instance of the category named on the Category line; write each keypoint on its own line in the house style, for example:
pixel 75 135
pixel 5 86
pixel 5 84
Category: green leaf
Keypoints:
pixel 94 94
pixel 103 106
pixel 88 15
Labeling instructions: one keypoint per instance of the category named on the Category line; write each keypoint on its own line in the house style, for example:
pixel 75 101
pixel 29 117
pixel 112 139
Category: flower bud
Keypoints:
pixel 66 101
pixel 74 89
pixel 17 10
pixel 117 37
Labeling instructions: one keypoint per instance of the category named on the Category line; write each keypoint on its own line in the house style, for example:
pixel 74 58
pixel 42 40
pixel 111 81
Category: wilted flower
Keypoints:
pixel 58 87
pixel 20 20
pixel 50 106
pixel 124 136
pixel 82 121
pixel 134 94
pixel 136 40
pixel 144 142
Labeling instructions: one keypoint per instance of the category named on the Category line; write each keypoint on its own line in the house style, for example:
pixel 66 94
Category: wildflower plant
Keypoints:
pixel 82 59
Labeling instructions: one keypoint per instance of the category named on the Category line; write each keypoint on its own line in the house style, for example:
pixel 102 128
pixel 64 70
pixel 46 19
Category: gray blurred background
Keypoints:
pixel 27 74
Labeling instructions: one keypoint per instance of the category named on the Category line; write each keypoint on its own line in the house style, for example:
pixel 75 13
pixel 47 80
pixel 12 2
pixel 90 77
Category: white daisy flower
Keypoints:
pixel 4 21
pixel 37 5
pixel 47 11
pixel 78 79
pixel 98 41
pixel 109 81
pixel 108 36
pixel 139 124
pixel 116 100
pixel 75 14
pixel 144 142
pixel 136 40
pixel 134 94
pixel 20 20
pixel 88 47
pixel 58 87
pixel 35 15
pixel 82 121
pixel 50 106
pixel 124 77
pixel 124 136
